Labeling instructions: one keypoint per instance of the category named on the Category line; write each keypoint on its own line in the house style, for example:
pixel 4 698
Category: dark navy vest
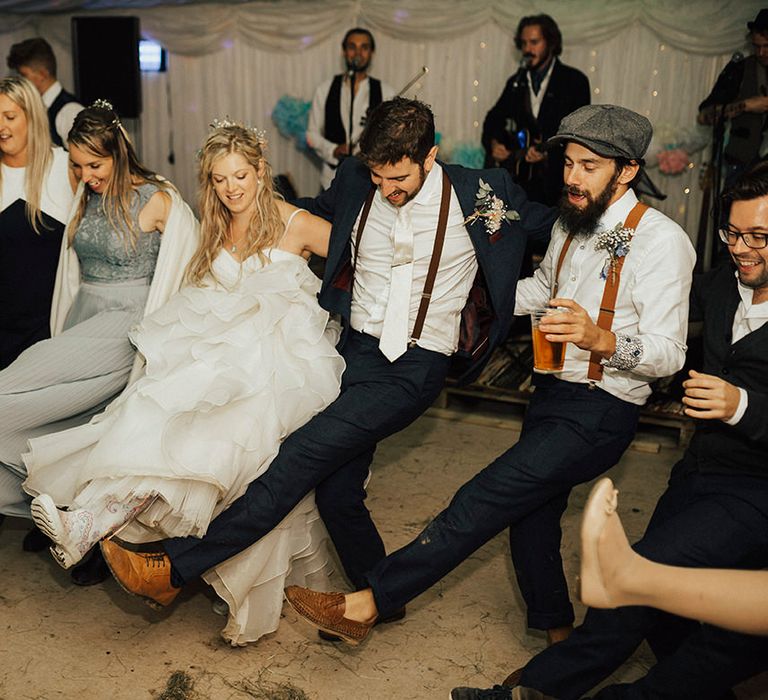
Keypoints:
pixel 63 98
pixel 334 129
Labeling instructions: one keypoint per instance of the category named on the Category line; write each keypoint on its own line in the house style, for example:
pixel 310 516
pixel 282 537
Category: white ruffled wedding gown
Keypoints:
pixel 232 369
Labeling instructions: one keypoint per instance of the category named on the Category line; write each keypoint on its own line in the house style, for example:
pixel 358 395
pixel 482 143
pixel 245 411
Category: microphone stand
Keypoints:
pixel 718 155
pixel 718 141
pixel 520 76
pixel 352 73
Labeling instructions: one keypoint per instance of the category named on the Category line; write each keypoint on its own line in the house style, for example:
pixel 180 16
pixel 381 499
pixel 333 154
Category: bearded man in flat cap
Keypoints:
pixel 608 253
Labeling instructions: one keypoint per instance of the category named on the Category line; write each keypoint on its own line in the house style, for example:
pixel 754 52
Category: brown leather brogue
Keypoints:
pixel 146 575
pixel 326 612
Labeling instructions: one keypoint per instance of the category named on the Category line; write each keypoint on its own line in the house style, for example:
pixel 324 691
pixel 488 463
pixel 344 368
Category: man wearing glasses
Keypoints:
pixel 714 512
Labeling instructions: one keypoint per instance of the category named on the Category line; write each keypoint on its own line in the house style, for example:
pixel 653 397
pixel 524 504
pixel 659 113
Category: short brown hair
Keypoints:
pixel 397 129
pixel 32 52
pixel 752 184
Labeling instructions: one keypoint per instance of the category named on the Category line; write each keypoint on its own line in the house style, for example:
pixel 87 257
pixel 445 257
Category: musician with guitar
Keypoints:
pixel 740 96
pixel 737 109
pixel 530 109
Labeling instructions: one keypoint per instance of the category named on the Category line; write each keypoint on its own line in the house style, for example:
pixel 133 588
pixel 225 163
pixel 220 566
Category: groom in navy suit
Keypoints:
pixel 422 267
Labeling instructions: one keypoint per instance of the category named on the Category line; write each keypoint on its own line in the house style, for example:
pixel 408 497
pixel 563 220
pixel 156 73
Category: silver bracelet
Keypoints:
pixel 629 352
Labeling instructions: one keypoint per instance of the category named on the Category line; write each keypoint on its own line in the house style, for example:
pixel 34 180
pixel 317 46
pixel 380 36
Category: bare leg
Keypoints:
pixel 613 575
pixel 360 606
pixel 75 532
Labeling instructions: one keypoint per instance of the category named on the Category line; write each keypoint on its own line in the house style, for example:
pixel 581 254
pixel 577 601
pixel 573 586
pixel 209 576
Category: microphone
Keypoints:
pixel 519 78
pixel 353 66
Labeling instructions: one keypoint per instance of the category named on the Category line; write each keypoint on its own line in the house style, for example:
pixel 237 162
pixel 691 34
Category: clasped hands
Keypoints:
pixel 575 326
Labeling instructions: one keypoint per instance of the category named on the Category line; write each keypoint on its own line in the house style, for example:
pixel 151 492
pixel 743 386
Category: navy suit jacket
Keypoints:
pixel 488 314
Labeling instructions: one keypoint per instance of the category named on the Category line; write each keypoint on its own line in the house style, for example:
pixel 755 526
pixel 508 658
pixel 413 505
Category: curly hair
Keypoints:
pixel 549 30
pixel 397 129
pixel 265 226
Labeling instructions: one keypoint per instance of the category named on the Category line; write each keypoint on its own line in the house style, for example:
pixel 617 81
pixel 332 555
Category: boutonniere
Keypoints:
pixel 490 208
pixel 616 241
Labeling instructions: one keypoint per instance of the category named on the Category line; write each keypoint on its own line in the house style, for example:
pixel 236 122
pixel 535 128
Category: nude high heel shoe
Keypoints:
pixel 600 506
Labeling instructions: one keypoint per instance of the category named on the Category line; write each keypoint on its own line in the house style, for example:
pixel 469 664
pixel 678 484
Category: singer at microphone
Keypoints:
pixel 740 96
pixel 535 99
pixel 340 104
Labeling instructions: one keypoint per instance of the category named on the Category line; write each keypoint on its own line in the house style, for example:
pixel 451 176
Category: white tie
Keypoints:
pixel 394 330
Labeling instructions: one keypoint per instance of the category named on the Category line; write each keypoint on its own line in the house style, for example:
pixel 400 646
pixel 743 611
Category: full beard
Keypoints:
pixel 410 195
pixel 583 221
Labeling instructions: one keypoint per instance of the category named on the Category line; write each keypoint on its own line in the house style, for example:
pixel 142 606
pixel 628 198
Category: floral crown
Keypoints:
pixel 101 103
pixel 260 134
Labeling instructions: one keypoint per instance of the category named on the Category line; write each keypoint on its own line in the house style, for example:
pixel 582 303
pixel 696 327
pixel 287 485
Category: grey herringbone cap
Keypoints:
pixel 608 130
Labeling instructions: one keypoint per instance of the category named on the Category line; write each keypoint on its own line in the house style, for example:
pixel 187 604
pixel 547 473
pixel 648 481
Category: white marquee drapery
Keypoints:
pixel 659 57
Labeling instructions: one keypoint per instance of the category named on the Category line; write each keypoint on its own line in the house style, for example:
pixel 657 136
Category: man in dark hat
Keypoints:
pixel 607 251
pixel 741 96
pixel 714 512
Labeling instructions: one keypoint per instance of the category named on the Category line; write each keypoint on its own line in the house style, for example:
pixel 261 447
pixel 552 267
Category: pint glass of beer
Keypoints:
pixel 548 356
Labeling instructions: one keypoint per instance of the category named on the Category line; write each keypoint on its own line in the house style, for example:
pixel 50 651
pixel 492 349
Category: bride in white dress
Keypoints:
pixel 238 359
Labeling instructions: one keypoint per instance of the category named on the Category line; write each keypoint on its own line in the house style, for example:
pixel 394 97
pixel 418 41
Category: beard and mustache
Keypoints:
pixel 583 221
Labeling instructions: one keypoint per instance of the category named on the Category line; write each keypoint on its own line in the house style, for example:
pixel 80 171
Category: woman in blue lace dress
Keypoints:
pixel 112 269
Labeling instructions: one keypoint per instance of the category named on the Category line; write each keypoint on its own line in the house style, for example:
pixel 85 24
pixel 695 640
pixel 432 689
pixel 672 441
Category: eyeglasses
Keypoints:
pixel 752 239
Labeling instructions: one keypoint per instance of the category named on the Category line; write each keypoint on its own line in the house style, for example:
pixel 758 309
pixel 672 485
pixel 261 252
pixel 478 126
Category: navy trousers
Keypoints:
pixel 702 520
pixel 331 453
pixel 571 434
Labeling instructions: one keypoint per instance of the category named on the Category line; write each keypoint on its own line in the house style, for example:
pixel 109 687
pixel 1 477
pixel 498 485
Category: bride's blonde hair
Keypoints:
pixel 266 225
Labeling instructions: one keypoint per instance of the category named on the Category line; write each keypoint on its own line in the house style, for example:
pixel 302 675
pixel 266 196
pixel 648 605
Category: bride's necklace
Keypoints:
pixel 232 245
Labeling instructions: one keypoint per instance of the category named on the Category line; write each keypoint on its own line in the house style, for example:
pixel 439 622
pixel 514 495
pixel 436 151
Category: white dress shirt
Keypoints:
pixel 66 115
pixel 652 303
pixel 748 318
pixel 321 145
pixel 457 270
pixel 537 98
pixel 56 194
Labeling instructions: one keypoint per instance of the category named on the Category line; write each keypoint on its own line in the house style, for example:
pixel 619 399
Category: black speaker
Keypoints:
pixel 106 55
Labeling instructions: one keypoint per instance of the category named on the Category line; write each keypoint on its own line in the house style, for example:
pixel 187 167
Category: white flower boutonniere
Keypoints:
pixel 616 241
pixel 489 207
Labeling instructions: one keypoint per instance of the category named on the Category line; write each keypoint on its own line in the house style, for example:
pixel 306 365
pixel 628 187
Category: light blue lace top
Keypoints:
pixel 104 254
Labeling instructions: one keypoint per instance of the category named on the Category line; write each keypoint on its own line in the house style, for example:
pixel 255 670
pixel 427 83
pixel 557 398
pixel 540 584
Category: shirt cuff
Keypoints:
pixel 741 409
pixel 628 354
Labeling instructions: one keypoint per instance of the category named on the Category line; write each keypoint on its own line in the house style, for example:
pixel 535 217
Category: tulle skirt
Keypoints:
pixel 230 373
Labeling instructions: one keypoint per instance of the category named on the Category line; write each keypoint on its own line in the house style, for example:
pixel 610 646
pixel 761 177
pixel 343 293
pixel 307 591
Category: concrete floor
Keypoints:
pixel 64 642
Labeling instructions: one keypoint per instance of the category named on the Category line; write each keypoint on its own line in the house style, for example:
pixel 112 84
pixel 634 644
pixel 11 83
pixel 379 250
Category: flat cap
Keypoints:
pixel 608 130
